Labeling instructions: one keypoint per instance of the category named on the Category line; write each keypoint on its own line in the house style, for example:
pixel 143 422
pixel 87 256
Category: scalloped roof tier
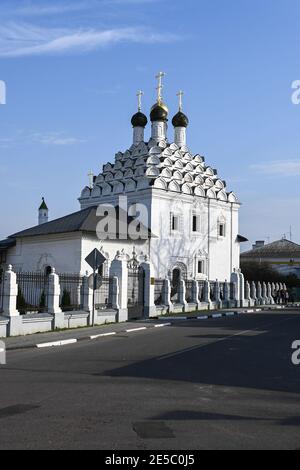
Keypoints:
pixel 162 166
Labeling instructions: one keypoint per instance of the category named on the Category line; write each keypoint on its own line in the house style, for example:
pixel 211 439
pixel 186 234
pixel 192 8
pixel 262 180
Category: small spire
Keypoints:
pixel 180 96
pixel 140 93
pixel 160 86
pixel 91 179
pixel 43 205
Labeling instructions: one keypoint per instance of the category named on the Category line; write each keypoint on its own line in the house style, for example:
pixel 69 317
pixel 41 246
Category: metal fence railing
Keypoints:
pixel 32 292
pixel 70 292
pixel 201 291
pixel 103 294
pixel 189 291
pixel 212 291
pixel 158 291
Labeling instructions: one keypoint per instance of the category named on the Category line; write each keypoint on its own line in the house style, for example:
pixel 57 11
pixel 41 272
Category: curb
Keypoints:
pixel 66 342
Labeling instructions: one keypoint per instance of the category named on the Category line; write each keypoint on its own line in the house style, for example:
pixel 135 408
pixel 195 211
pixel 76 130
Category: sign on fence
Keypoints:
pixel 95 259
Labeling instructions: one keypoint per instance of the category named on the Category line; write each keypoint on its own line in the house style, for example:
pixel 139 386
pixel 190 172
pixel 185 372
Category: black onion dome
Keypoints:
pixel 139 120
pixel 180 120
pixel 159 112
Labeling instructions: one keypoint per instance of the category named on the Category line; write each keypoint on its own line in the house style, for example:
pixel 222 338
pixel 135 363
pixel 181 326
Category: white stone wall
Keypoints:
pixel 109 249
pixel 36 253
pixel 185 247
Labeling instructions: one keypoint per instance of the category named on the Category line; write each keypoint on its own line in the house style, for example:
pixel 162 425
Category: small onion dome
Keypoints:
pixel 159 112
pixel 139 120
pixel 180 120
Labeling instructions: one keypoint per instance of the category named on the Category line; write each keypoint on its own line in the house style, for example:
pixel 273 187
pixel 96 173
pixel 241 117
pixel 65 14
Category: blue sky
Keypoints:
pixel 72 69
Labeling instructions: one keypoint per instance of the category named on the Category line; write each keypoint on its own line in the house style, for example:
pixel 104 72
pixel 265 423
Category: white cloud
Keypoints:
pixel 18 40
pixel 278 168
pixel 55 139
pixel 48 9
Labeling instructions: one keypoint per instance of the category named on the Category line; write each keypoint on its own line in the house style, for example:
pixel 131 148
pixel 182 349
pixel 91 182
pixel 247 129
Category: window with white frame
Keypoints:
pixel 175 223
pixel 200 266
pixel 221 229
pixel 195 223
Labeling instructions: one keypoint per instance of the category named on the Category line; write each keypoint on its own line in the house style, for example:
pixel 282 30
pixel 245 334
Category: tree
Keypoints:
pixel 265 272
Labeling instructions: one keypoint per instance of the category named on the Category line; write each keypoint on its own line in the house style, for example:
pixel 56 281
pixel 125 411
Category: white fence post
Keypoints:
pixel 264 294
pixel 235 279
pixel 182 294
pixel 226 299
pixel 53 300
pixel 206 289
pixel 119 269
pixel 10 293
pixel 269 294
pixel 195 293
pixel 247 294
pixel 115 293
pixel 167 294
pixel 259 294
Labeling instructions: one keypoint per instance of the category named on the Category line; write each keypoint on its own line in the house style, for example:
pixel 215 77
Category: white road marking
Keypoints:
pixel 103 335
pixel 57 343
pixel 203 317
pixel 162 324
pixel 217 315
pixel 136 329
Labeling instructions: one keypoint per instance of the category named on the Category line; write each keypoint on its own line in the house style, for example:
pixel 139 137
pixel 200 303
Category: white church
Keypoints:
pixel 190 217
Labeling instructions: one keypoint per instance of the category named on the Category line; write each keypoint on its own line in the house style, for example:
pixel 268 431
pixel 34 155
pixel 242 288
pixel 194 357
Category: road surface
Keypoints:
pixel 226 383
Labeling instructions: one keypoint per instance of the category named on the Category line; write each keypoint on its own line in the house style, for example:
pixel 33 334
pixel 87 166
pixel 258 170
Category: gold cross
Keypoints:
pixel 139 95
pixel 180 95
pixel 160 86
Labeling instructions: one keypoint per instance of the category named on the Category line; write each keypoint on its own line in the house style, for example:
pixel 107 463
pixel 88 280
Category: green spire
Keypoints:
pixel 43 205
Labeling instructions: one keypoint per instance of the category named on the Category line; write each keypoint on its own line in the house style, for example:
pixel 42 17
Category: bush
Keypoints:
pixel 21 302
pixel 66 299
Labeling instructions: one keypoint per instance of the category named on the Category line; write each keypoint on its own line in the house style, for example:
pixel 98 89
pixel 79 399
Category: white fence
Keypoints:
pixel 34 302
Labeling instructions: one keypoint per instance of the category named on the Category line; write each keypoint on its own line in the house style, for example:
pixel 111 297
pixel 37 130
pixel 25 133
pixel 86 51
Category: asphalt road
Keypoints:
pixel 218 384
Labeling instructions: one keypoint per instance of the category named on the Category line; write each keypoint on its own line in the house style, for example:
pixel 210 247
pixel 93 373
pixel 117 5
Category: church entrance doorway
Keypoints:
pixel 176 277
pixel 135 290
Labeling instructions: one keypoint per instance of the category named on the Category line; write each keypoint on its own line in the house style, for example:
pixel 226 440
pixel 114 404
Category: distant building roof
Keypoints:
pixel 85 220
pixel 278 249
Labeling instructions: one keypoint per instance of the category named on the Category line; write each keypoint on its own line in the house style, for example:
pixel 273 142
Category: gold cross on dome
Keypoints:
pixel 139 95
pixel 180 96
pixel 159 77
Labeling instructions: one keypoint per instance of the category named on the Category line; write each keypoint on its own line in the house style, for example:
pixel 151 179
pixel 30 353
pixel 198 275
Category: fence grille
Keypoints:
pixel 103 294
pixel 212 291
pixel 1 289
pixel 175 293
pixel 201 291
pixel 222 290
pixel 32 292
pixel 158 291
pixel 189 291
pixel 70 292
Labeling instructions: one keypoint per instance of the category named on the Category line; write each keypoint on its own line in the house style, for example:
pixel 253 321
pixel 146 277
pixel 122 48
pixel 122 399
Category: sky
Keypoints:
pixel 72 70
